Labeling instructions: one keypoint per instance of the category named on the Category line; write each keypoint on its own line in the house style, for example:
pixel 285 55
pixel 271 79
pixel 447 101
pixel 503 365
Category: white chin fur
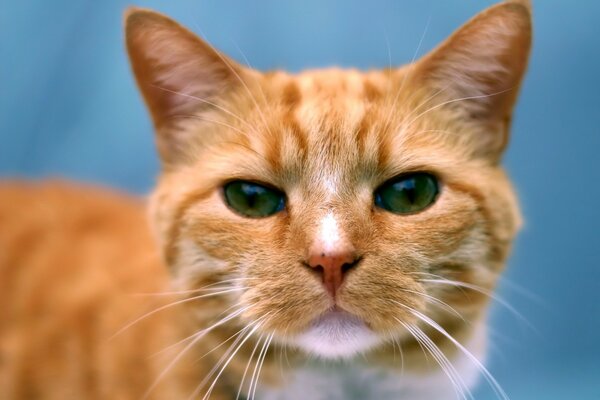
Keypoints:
pixel 337 334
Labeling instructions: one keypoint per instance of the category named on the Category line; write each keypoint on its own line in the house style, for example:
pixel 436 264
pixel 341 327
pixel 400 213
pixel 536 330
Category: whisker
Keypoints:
pixel 192 335
pixel 409 72
pixel 176 292
pixel 233 348
pixel 396 344
pixel 437 301
pixel 197 336
pixel 226 111
pixel 261 362
pixel 214 121
pixel 246 369
pixel 256 366
pixel 221 344
pixel 482 96
pixel 485 292
pixel 226 363
pixel 487 375
pixel 458 383
pixel 262 92
pixel 521 290
pixel 239 78
pixel 184 292
pixel 148 314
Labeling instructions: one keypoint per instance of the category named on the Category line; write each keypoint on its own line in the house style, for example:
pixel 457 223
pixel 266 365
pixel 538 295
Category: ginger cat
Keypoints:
pixel 333 234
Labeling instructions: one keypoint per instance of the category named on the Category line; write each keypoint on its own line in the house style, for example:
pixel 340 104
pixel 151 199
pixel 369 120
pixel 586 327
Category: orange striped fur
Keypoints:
pixel 78 265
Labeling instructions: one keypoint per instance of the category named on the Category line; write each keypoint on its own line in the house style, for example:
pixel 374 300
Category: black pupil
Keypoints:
pixel 409 188
pixel 251 195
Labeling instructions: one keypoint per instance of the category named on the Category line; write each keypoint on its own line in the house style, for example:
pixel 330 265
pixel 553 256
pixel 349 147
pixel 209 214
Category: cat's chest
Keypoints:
pixel 327 382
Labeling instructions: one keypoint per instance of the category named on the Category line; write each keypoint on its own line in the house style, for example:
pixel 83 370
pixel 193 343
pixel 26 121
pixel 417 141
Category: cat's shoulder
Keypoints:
pixel 56 229
pixel 76 265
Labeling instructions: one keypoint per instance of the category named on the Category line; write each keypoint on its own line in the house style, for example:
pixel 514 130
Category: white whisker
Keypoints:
pixel 487 293
pixel 487 375
pixel 246 369
pixel 239 78
pixel 226 363
pixel 129 325
pixel 214 121
pixel 226 111
pixel 482 96
pixel 192 335
pixel 437 301
pixel 457 382
pixel 261 362
pixel 409 72
pixel 196 337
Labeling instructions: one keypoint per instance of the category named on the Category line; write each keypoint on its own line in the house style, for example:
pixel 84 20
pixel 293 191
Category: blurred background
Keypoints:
pixel 69 108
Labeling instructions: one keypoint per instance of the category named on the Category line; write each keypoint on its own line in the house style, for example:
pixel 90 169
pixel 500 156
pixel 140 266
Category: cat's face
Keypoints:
pixel 338 205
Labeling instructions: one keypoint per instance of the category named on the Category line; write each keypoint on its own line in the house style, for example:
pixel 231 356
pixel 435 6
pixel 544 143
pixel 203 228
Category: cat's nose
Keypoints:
pixel 332 264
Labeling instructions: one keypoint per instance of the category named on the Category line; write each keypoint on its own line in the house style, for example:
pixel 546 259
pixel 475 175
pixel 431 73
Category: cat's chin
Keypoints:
pixel 337 334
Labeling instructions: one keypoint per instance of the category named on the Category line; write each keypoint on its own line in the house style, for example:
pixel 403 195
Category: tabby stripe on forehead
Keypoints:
pixel 293 128
pixel 291 96
pixel 362 132
pixel 366 132
pixel 292 99
pixel 272 145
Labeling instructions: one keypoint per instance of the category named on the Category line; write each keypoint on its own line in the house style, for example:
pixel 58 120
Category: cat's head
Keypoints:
pixel 340 207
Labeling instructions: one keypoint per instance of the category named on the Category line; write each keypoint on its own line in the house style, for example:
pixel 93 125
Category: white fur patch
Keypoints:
pixel 337 334
pixel 329 233
pixel 355 380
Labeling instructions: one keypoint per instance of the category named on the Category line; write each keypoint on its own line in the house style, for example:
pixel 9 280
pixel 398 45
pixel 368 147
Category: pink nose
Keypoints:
pixel 332 265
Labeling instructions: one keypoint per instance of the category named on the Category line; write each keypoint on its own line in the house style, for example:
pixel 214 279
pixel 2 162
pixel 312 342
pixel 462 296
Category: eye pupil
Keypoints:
pixel 252 199
pixel 407 194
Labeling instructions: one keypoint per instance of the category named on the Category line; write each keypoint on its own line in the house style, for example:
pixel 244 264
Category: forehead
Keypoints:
pixel 327 127
pixel 327 123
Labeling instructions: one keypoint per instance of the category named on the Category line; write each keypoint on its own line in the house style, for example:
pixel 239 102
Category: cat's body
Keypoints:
pixel 73 259
pixel 328 234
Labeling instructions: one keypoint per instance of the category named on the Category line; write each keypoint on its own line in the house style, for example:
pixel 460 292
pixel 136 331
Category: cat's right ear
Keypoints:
pixel 177 73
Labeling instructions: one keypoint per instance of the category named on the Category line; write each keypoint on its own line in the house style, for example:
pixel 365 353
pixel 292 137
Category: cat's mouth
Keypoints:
pixel 337 334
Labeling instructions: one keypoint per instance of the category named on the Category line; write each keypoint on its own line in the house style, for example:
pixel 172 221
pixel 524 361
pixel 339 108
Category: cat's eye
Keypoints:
pixel 408 194
pixel 253 200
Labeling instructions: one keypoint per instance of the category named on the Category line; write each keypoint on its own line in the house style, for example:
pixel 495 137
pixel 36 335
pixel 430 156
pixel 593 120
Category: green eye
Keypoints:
pixel 253 200
pixel 407 194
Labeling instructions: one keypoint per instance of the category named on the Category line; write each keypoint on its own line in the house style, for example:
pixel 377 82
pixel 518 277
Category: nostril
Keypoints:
pixel 350 265
pixel 319 270
pixel 347 267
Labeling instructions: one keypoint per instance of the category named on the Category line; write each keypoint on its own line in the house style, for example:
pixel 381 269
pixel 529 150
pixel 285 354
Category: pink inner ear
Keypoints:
pixel 175 69
pixel 178 74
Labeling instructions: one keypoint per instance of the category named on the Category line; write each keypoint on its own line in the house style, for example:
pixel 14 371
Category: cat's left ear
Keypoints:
pixel 478 70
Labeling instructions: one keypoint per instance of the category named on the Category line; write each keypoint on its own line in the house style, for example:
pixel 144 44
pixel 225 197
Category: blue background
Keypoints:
pixel 68 107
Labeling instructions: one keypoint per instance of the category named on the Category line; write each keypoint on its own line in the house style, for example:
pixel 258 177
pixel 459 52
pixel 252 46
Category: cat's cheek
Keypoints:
pixel 435 232
pixel 229 238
